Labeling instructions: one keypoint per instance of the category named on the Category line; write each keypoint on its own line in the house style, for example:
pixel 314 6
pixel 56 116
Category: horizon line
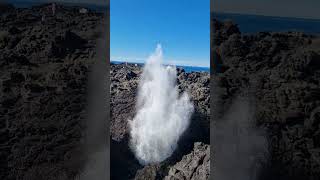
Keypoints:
pixel 174 64
pixel 66 2
pixel 264 15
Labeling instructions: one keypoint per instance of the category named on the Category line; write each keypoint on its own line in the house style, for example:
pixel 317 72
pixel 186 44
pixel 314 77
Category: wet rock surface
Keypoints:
pixel 43 82
pixel 124 85
pixel 281 71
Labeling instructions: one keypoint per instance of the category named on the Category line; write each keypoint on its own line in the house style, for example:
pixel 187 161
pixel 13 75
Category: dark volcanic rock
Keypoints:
pixel 194 166
pixel 222 30
pixel 124 85
pixel 282 73
pixel 43 98
pixel 14 31
pixel 67 44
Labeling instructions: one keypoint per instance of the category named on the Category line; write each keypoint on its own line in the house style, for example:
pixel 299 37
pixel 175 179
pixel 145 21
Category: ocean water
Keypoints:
pixel 258 23
pixel 187 69
pixel 30 3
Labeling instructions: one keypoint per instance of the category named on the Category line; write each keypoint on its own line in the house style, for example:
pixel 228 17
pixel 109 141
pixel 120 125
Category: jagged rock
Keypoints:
pixel 14 31
pixel 43 98
pixel 147 173
pixel 281 71
pixel 222 31
pixel 193 166
pixel 124 86
pixel 72 41
pixel 17 78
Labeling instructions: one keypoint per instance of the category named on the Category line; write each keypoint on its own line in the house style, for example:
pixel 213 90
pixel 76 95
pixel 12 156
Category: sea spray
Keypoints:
pixel 162 114
pixel 241 148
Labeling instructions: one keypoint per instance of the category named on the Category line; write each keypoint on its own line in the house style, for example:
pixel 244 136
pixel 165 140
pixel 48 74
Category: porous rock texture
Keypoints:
pixel 281 71
pixel 124 86
pixel 195 165
pixel 44 69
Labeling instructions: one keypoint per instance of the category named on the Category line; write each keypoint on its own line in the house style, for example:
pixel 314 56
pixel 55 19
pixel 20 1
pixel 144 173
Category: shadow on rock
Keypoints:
pixel 124 163
pixel 198 131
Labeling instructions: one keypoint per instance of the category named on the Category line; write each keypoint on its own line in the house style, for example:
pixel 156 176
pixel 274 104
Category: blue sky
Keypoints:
pixel 182 27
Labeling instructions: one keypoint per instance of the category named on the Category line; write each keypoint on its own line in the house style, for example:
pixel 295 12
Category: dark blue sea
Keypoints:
pixel 195 69
pixel 257 23
pixel 187 69
pixel 29 3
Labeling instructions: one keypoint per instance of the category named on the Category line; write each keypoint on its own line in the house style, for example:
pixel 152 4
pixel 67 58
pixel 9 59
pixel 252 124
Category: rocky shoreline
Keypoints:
pixel 45 68
pixel 43 83
pixel 44 74
pixel 192 158
pixel 281 71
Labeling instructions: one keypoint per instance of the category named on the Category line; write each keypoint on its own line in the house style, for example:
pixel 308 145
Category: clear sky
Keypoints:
pixel 282 8
pixel 182 27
